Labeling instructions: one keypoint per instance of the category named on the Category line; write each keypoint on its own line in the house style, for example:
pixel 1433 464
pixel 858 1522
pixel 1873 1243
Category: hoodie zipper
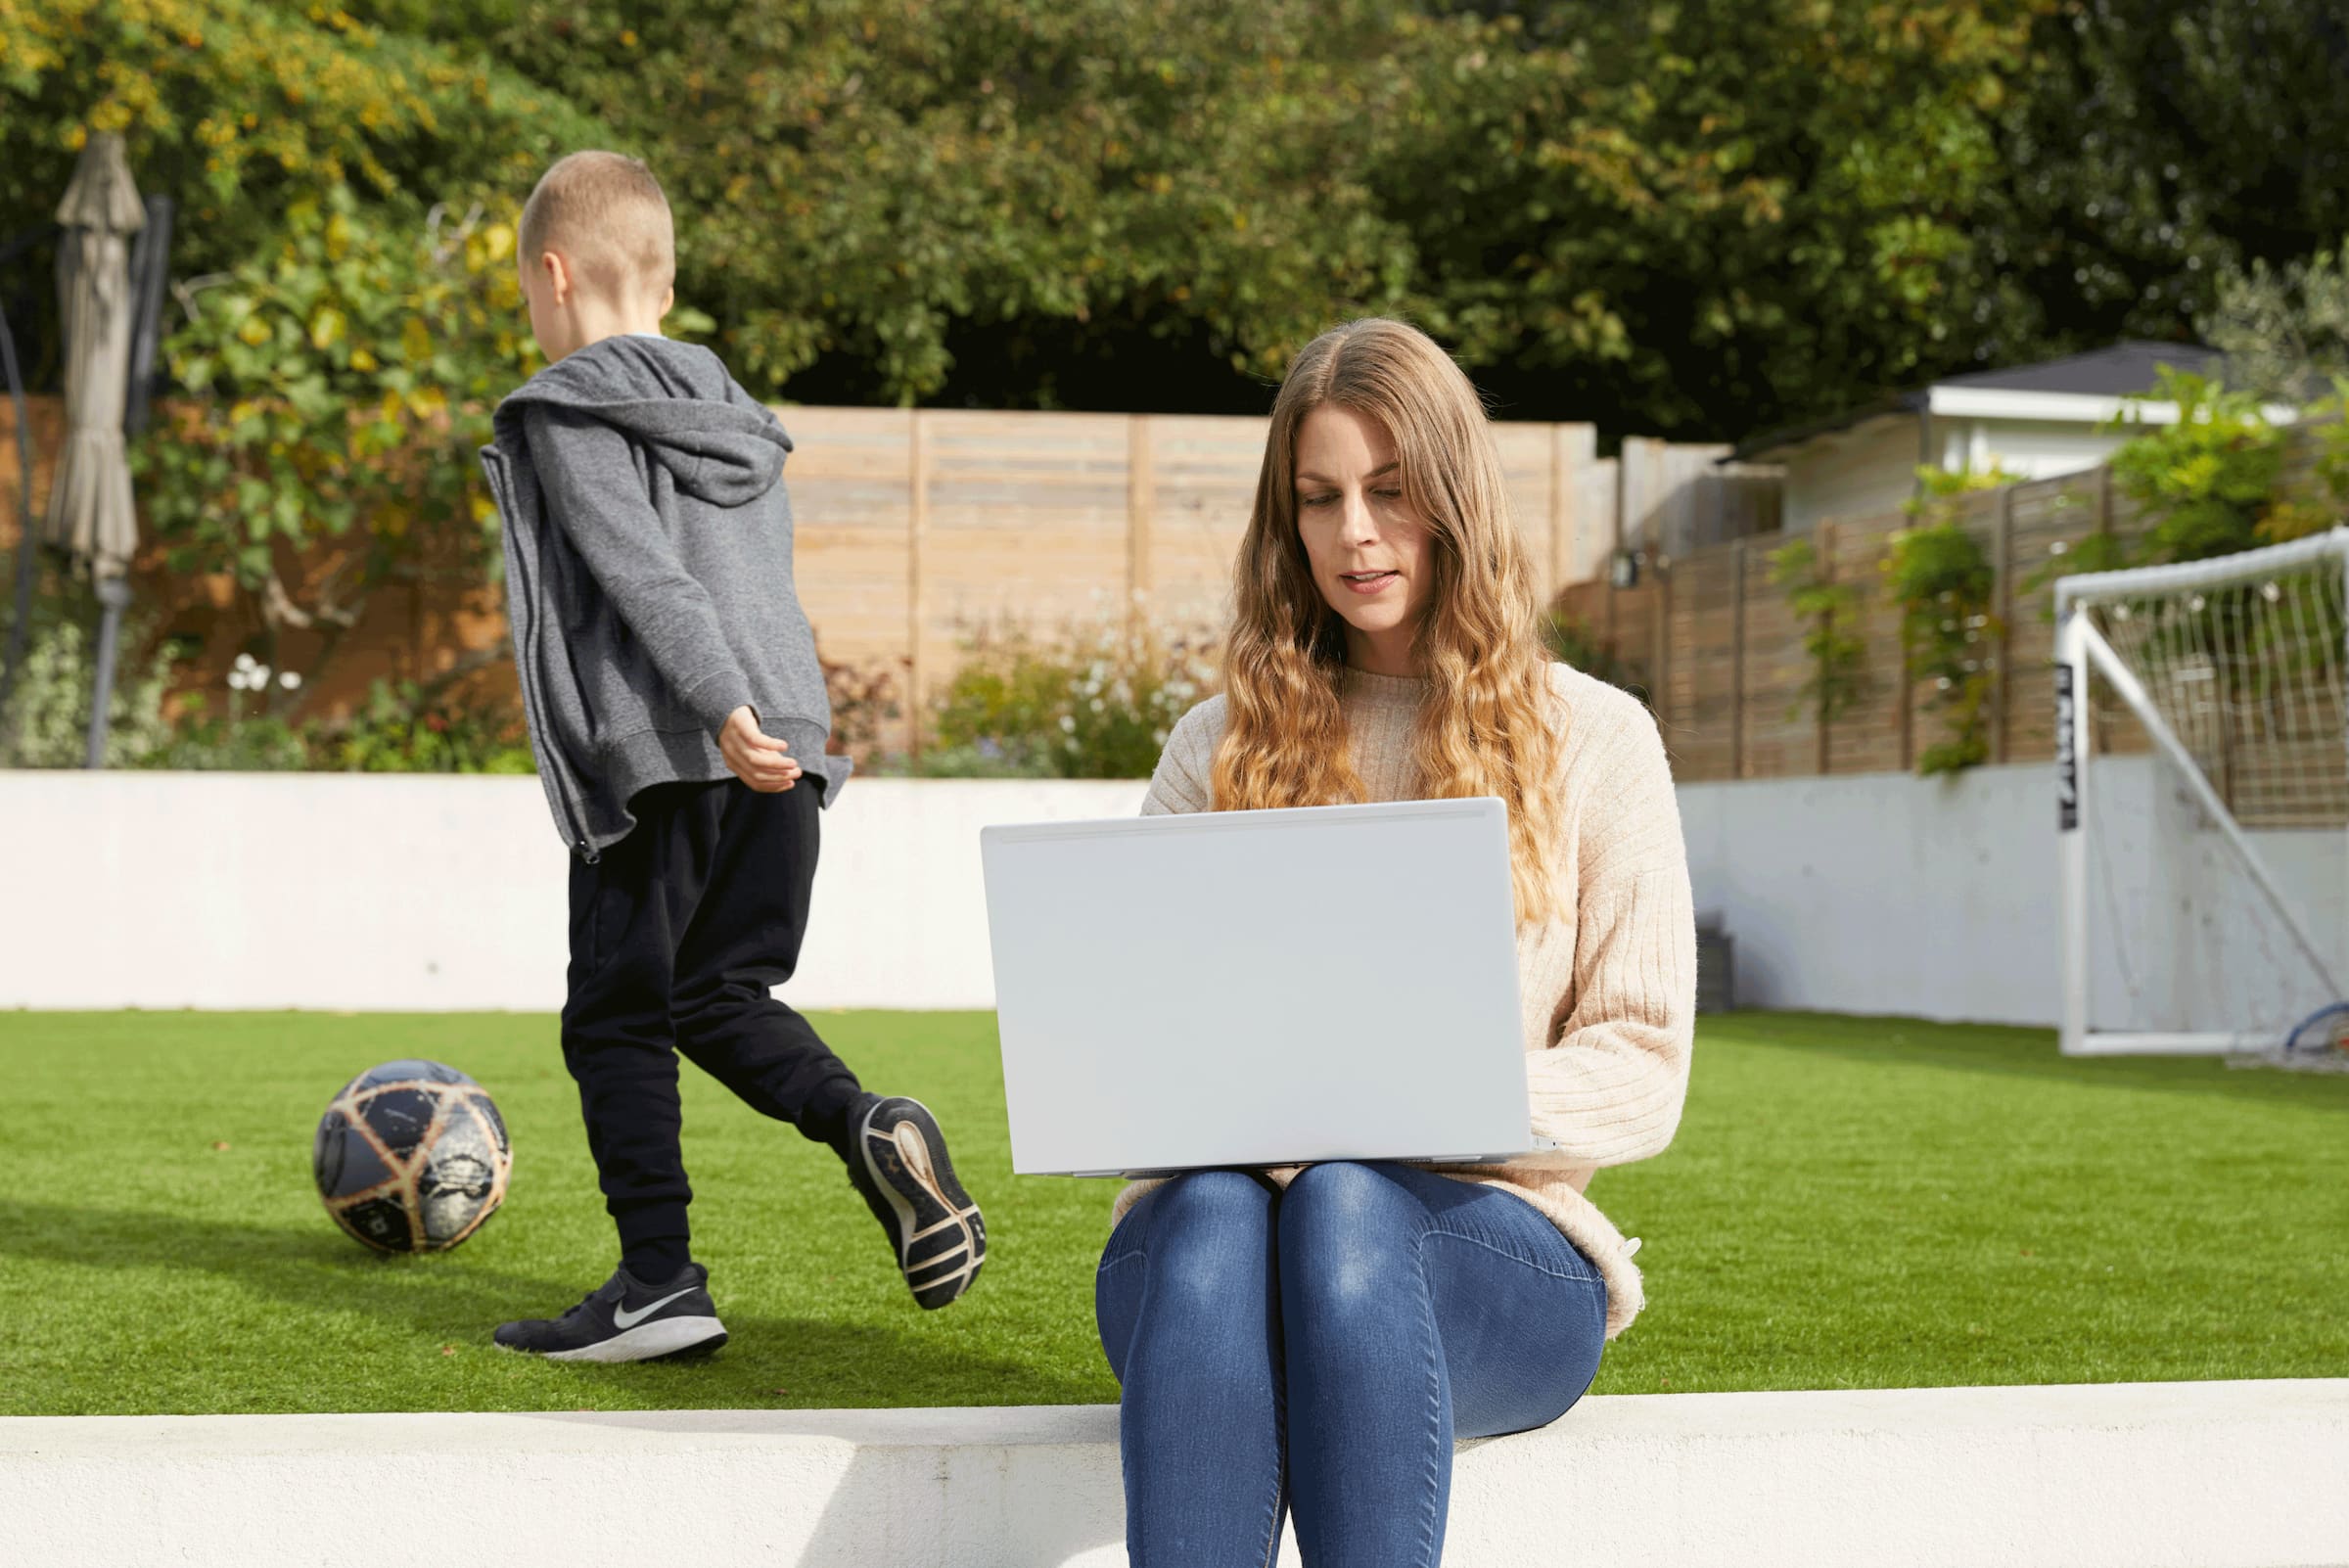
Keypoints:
pixel 552 773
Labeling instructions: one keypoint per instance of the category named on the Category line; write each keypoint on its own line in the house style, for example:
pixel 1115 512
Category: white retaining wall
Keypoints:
pixel 1879 893
pixel 2180 1475
pixel 1873 893
pixel 408 893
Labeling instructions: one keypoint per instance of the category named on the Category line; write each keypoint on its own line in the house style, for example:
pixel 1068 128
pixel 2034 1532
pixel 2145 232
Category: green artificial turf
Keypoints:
pixel 1850 1203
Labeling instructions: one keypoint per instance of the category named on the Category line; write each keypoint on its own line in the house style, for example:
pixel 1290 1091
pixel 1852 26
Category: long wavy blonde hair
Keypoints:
pixel 1489 723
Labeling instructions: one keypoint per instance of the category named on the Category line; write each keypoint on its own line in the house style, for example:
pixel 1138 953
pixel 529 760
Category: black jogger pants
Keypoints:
pixel 676 934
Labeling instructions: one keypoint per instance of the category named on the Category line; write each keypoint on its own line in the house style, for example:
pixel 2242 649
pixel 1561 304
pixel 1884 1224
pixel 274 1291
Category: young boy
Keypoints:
pixel 680 717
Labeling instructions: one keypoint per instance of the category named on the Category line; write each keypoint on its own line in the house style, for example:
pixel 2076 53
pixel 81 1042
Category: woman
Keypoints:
pixel 1314 1339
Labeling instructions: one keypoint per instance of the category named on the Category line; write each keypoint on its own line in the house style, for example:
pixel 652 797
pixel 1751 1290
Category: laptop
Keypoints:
pixel 1259 988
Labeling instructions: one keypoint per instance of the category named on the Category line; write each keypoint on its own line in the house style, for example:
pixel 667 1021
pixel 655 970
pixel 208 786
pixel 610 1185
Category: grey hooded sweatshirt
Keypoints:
pixel 648 578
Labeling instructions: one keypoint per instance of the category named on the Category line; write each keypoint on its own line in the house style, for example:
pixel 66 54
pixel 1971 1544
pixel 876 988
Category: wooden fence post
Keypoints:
pixel 1560 515
pixel 1737 661
pixel 917 607
pixel 1823 552
pixel 1660 665
pixel 1139 482
pixel 2002 607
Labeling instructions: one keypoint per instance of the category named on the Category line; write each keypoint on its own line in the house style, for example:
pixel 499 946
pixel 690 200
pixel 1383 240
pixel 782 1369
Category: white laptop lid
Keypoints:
pixel 1259 988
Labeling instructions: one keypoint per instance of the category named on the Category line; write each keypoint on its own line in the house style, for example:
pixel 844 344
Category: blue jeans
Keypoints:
pixel 1320 1348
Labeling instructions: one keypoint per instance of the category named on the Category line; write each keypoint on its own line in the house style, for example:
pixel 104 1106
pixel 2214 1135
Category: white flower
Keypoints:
pixel 1068 722
pixel 236 680
pixel 1100 707
pixel 244 662
pixel 291 680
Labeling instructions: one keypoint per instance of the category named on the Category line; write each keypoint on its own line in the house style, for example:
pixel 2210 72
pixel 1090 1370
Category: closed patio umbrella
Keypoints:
pixel 90 513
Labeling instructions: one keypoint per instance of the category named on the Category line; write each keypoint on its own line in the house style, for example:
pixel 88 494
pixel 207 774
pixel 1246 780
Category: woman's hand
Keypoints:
pixel 757 758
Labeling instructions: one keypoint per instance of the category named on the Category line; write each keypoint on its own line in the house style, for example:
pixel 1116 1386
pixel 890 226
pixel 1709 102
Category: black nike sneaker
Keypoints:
pixel 625 1319
pixel 898 1159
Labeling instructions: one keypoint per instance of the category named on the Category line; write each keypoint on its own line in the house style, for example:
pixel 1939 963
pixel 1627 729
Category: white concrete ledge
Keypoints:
pixel 2196 1475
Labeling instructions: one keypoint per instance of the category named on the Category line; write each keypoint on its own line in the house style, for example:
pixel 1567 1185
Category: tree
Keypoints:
pixel 2284 330
pixel 2158 143
pixel 343 385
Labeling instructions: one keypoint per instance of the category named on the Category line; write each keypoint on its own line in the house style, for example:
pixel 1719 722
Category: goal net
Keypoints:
pixel 2203 802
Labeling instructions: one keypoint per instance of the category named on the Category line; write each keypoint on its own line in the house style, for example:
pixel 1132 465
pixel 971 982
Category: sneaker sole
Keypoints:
pixel 927 1201
pixel 659 1340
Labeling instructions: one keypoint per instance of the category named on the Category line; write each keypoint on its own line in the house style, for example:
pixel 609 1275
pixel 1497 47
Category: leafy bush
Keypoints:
pixel 1097 701
pixel 408 728
pixel 1829 612
pixel 46 724
pixel 2205 479
pixel 1943 582
pixel 341 385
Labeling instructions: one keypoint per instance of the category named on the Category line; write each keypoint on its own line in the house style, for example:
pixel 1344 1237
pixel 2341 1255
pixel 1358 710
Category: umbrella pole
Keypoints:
pixel 114 595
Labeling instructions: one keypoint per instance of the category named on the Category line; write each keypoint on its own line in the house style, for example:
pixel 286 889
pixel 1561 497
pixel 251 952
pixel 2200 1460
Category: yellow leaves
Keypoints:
pixel 255 332
pixel 484 509
pixel 327 325
pixel 338 238
pixel 365 362
pixel 243 411
pixel 498 240
pixel 427 402
pixel 391 408
pixel 627 37
pixel 415 340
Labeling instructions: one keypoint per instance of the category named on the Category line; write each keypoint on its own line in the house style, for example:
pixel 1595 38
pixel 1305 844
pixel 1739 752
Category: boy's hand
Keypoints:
pixel 757 758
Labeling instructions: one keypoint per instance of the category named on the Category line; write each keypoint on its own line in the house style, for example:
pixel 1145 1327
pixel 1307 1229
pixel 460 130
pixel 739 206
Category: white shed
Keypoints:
pixel 2032 420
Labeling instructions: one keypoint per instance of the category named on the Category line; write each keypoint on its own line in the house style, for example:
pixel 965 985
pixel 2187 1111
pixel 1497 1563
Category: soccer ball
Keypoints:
pixel 411 1157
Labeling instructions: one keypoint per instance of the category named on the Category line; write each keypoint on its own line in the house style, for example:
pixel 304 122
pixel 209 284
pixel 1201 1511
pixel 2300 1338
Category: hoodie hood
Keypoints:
pixel 675 399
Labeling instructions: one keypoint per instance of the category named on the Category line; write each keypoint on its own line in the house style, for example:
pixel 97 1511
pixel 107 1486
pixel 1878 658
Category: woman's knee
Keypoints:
pixel 1349 1240
pixel 1208 1243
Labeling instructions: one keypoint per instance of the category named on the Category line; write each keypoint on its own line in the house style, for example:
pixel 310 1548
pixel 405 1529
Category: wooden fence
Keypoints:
pixel 916 528
pixel 1719 651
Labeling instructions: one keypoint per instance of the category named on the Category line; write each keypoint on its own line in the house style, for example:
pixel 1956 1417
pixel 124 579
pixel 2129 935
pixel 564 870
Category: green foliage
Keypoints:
pixel 1098 701
pixel 410 729
pixel 2284 329
pixel 239 109
pixel 1829 612
pixel 343 380
pixel 46 722
pixel 2150 145
pixel 1571 640
pixel 1943 582
pixel 2206 479
pixel 1696 219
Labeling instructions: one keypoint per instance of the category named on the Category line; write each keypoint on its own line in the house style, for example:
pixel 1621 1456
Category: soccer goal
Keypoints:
pixel 2203 800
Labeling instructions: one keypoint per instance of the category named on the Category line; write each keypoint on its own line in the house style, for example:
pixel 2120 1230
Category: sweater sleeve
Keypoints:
pixel 1183 780
pixel 596 497
pixel 1610 1088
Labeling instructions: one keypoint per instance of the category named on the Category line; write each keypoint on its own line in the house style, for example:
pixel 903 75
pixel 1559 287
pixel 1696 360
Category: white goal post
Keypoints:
pixel 2205 883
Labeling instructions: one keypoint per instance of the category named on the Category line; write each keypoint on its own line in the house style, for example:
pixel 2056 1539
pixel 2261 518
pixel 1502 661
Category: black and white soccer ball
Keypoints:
pixel 412 1157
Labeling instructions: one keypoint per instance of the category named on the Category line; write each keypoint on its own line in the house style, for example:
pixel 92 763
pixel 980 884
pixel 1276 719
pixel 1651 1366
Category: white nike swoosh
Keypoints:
pixel 622 1317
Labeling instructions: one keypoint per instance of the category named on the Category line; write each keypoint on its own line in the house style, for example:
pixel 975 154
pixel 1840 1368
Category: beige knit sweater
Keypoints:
pixel 1609 985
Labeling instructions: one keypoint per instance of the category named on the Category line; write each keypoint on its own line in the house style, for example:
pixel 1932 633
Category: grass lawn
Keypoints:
pixel 1851 1203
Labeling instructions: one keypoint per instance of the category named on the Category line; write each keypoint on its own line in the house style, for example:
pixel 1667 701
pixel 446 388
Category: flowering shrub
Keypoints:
pixel 1096 701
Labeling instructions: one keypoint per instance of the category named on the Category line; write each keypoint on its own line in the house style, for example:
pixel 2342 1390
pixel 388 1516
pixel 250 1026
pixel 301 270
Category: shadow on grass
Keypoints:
pixel 2010 1052
pixel 770 1362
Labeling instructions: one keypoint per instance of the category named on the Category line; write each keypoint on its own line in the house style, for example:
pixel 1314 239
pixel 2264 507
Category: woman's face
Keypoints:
pixel 1366 545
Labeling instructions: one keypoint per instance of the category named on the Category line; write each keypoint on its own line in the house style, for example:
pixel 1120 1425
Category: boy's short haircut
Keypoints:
pixel 606 213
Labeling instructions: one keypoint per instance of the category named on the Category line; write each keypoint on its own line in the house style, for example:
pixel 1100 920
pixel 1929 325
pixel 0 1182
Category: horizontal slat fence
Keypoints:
pixel 1727 677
